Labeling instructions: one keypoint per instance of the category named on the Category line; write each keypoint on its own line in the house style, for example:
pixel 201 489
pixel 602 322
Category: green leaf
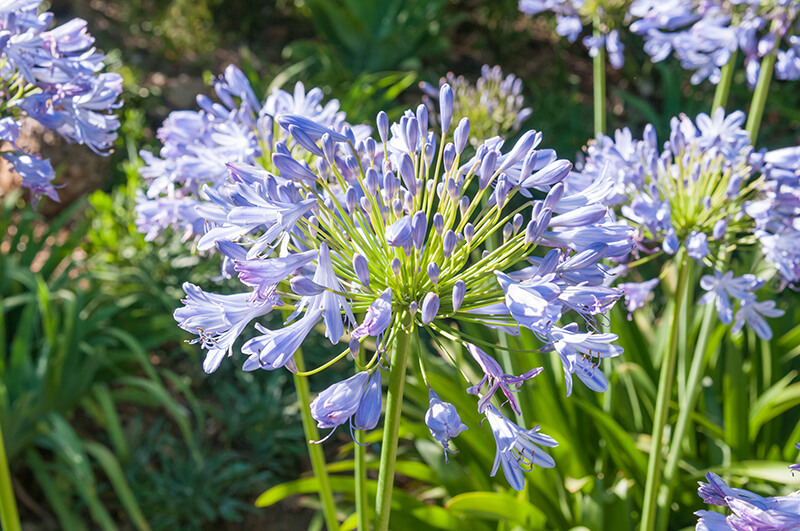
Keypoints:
pixel 775 471
pixel 114 472
pixel 497 506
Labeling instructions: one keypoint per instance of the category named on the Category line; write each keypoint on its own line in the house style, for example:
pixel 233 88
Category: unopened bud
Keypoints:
pixel 459 291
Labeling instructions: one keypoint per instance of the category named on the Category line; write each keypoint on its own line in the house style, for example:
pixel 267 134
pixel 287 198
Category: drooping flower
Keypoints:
pixel 443 421
pixel 517 448
pixel 495 379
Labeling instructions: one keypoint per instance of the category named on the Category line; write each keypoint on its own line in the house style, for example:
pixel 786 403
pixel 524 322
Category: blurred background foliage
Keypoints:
pixel 110 422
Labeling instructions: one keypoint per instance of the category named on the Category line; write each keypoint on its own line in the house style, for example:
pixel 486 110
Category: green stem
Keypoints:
pixel 391 427
pixel 360 472
pixel 599 71
pixel 665 383
pixel 361 482
pixel 9 517
pixel 760 95
pixel 315 450
pixel 696 373
pixel 724 85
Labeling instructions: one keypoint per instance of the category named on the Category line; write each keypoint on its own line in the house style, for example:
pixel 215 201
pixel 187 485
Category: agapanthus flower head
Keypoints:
pixel 373 238
pixel 494 105
pixel 704 34
pixel 571 15
pixel 53 75
pixel 707 192
pixel 236 139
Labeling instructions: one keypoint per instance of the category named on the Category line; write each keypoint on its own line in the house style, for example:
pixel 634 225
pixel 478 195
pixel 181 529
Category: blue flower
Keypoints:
pixel 218 320
pixel 494 378
pixel 749 511
pixel 753 313
pixel 443 421
pixel 516 448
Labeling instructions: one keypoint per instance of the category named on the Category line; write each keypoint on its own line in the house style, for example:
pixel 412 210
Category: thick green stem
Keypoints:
pixel 760 95
pixel 724 85
pixel 665 383
pixel 599 71
pixel 9 517
pixel 391 428
pixel 361 482
pixel 696 372
pixel 315 450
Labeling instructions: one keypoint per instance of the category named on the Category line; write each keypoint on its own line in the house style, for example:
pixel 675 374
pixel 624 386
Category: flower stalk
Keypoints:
pixel 724 86
pixel 760 95
pixel 696 372
pixel 391 427
pixel 314 450
pixel 599 73
pixel 665 384
pixel 9 516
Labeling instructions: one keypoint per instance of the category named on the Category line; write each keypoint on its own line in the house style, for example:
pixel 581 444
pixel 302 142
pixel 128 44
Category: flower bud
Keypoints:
pixel 350 199
pixel 517 222
pixel 488 164
pixel 383 126
pixel 433 272
pixel 430 307
pixel 553 196
pixel 399 232
pixel 449 243
pixel 396 266
pixel 418 228
pixel 507 231
pixel 719 229
pixel 463 205
pixel 361 268
pixel 370 148
pixel 438 223
pixel 412 134
pixel 369 409
pixel 397 207
pixel 461 135
pixel 449 156
pixel 452 189
pixel 412 308
pixel 501 190
pixel 371 180
pixel 422 119
pixel 408 203
pixel 390 185
pixel 469 232
pixel 366 206
pixel 459 291
pixel 445 107
pixel 407 173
